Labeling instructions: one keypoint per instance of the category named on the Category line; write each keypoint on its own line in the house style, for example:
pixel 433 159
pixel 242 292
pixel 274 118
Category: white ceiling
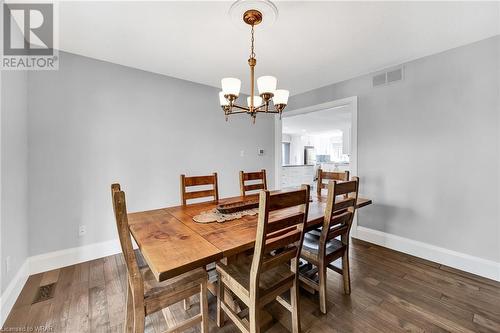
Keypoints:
pixel 325 122
pixel 312 44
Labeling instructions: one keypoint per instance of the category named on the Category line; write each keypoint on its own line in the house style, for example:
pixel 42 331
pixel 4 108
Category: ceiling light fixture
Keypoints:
pixel 266 84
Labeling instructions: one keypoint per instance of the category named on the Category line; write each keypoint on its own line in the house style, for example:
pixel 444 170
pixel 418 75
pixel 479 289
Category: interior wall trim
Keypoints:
pixel 483 267
pixel 62 258
pixel 11 293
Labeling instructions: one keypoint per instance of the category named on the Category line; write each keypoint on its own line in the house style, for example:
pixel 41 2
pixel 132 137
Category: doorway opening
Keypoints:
pixel 318 136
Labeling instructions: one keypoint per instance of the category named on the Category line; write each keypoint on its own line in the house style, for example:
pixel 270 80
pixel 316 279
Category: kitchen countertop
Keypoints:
pixel 297 165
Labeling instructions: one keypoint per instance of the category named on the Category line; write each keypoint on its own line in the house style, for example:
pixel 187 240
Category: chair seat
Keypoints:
pixel 271 281
pixel 172 290
pixel 310 249
pixel 180 282
pixel 315 232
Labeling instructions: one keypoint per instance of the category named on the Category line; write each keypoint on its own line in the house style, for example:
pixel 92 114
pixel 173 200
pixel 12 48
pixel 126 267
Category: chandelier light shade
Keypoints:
pixel 270 100
pixel 231 86
pixel 281 96
pixel 266 84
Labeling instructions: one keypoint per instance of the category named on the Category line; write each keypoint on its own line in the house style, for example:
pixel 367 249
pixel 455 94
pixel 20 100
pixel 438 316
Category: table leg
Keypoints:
pixel 212 287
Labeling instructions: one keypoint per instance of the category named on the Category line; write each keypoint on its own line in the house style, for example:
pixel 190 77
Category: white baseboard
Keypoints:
pixel 49 261
pixel 465 262
pixel 57 259
pixel 11 293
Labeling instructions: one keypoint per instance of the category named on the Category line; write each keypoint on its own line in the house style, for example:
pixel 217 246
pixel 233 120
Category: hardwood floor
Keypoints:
pixel 391 292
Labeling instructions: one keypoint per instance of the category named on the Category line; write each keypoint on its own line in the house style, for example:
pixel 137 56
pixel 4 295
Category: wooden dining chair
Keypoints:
pixel 323 250
pixel 211 192
pixel 252 177
pixel 144 294
pixel 329 175
pixel 198 181
pixel 272 270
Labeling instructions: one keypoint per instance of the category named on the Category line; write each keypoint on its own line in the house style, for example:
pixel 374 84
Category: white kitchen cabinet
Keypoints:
pixel 346 141
pixel 296 175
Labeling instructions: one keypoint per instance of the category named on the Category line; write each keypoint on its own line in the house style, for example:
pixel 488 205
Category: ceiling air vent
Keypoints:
pixel 388 76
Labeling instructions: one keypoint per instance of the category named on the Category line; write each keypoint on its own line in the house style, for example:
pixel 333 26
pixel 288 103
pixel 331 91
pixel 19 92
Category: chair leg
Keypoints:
pixel 294 298
pixel 187 304
pixel 345 273
pixel 204 307
pixel 254 317
pixel 220 298
pixel 139 318
pixel 129 315
pixel 322 288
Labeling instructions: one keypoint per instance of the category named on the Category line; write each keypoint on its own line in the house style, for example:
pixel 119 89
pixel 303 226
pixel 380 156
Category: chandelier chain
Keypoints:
pixel 252 52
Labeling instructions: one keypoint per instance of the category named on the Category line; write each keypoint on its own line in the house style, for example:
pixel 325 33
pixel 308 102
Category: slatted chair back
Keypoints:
pixel 120 209
pixel 158 296
pixel 198 181
pixel 327 176
pixel 252 177
pixel 339 213
pixel 281 221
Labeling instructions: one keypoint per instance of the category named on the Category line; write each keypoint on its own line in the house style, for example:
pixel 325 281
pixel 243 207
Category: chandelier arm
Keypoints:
pixel 237 112
pixel 269 111
pixel 259 108
pixel 241 107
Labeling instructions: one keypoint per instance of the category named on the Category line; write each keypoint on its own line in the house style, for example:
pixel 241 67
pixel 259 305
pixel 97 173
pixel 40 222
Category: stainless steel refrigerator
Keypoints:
pixel 309 155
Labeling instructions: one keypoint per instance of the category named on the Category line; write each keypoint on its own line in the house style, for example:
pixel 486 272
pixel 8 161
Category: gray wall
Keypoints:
pixel 14 174
pixel 428 148
pixel 93 123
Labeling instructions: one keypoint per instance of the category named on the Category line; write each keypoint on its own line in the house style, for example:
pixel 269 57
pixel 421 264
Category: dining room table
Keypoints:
pixel 172 243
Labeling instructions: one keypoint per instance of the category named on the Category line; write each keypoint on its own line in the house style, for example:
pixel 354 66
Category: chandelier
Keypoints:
pixel 266 84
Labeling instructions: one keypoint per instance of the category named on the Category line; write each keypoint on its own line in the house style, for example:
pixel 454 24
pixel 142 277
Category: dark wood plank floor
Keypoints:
pixel 391 292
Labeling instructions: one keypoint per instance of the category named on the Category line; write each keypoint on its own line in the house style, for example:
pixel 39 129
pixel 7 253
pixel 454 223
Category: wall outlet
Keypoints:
pixel 82 230
pixel 260 151
pixel 7 264
pixel 242 153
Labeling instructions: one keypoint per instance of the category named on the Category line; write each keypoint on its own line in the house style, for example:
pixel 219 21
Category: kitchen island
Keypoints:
pixel 295 175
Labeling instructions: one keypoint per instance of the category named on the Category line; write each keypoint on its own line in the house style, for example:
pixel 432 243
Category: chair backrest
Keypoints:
pixel 200 193
pixel 120 210
pixel 327 175
pixel 284 231
pixel 252 177
pixel 339 213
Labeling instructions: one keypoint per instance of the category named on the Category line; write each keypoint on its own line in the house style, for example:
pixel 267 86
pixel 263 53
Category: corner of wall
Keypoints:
pixel 13 187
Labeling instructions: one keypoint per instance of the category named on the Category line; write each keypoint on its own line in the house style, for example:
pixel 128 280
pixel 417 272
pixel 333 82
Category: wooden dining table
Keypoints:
pixel 172 243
